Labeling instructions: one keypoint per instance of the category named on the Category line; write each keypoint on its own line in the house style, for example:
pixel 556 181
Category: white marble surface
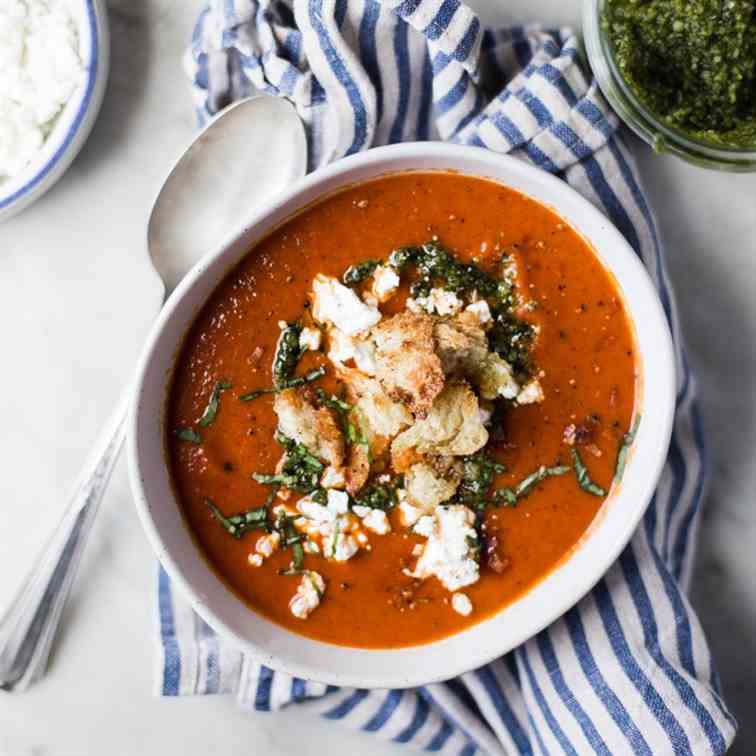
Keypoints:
pixel 76 301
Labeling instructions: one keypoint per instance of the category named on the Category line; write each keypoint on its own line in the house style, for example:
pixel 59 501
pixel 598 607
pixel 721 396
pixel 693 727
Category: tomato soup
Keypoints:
pixel 528 459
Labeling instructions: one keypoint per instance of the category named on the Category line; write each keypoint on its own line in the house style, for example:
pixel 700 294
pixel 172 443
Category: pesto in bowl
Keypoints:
pixel 691 62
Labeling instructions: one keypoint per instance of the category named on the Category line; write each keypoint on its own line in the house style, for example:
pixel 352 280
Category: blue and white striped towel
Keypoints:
pixel 628 669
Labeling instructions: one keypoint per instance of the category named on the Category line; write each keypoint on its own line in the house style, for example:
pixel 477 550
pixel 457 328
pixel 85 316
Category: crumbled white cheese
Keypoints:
pixel 337 304
pixel 310 338
pixel 461 604
pixel 481 310
pixel 40 70
pixel 255 560
pixel 340 546
pixel 332 478
pixel 338 502
pixel 449 552
pixel 343 348
pixel 267 544
pixel 531 393
pixel 307 598
pixel 373 519
pixel 385 283
pixel 314 511
pixel 311 547
pixel 498 380
pixel 438 300
pixel 409 513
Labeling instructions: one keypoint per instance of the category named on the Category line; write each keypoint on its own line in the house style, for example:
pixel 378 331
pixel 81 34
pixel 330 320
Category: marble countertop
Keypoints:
pixel 76 301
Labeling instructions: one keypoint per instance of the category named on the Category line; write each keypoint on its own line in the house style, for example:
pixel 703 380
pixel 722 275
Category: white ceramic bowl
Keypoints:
pixel 75 121
pixel 284 650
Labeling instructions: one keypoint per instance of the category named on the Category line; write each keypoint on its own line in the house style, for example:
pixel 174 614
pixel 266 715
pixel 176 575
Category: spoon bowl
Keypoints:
pixel 248 153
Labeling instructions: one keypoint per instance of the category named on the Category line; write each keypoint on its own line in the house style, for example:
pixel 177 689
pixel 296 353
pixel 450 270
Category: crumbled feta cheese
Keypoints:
pixel 337 304
pixel 310 338
pixel 338 502
pixel 531 393
pixel 307 598
pixel 314 511
pixel 449 552
pixel 332 478
pixel 311 547
pixel 424 526
pixel 267 544
pixel 40 70
pixel 255 560
pixel 481 310
pixel 373 519
pixel 340 546
pixel 409 513
pixel 498 380
pixel 385 283
pixel 439 301
pixel 461 604
pixel 343 348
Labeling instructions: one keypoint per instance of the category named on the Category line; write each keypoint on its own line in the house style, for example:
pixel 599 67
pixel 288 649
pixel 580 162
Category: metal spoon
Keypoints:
pixel 246 154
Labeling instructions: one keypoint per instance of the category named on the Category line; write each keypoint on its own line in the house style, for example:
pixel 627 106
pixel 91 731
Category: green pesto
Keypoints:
pixel 510 337
pixel 691 62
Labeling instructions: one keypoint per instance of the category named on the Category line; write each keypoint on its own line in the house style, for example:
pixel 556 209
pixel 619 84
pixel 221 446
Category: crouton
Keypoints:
pixel 407 365
pixel 317 429
pixel 452 428
pixel 426 488
pixel 378 416
pixel 463 349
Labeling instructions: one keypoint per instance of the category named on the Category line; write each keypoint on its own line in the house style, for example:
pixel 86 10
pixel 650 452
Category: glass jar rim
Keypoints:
pixel 646 124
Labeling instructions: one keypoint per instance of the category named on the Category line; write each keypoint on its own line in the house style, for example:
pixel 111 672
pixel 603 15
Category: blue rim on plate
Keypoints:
pixel 92 70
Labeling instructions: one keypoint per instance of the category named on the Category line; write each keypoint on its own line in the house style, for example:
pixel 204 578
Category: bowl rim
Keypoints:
pixel 86 104
pixel 280 648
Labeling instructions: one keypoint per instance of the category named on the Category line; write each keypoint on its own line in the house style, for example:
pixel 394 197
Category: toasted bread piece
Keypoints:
pixel 379 417
pixel 453 427
pixel 407 365
pixel 426 488
pixel 463 348
pixel 316 428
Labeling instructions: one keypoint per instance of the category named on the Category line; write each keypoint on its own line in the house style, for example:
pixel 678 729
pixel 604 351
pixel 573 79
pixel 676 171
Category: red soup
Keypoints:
pixel 402 409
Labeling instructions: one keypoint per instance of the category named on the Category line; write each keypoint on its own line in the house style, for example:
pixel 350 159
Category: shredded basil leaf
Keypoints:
pixel 188 434
pixel 240 524
pixel 583 478
pixel 510 496
pixel 288 354
pixel 301 469
pixel 379 495
pixel 627 442
pixel 355 274
pixel 297 555
pixel 478 471
pixel 332 401
pixel 313 375
pixel 211 411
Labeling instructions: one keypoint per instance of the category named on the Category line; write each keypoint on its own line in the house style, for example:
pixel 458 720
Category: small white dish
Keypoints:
pixel 276 646
pixel 75 121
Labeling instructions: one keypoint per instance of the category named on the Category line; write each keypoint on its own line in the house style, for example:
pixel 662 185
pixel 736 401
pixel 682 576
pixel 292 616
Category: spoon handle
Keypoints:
pixel 28 627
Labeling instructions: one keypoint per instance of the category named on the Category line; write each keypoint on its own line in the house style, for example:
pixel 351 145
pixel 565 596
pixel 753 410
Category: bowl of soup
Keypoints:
pixel 403 417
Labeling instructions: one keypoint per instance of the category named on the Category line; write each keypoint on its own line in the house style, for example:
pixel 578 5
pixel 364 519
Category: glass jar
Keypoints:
pixel 662 137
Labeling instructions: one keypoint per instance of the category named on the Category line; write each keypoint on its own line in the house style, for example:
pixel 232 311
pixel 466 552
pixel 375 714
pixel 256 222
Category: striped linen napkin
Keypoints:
pixel 628 669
